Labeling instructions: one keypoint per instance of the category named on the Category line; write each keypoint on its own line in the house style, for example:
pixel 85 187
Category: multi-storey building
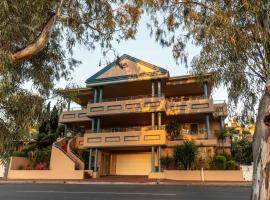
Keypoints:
pixel 125 107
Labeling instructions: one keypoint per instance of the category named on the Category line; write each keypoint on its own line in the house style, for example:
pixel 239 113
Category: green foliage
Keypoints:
pixel 242 151
pixel 218 163
pixel 172 128
pixel 233 38
pixel 60 26
pixel 166 162
pixel 231 165
pixel 185 154
pixel 19 154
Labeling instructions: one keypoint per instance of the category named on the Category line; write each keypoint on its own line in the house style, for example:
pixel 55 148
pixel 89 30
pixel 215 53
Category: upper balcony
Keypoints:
pixel 131 104
pixel 74 115
pixel 220 108
pixel 189 105
pixel 135 136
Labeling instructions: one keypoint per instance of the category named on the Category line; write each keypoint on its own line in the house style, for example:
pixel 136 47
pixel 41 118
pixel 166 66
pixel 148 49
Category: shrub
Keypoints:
pixel 41 166
pixel 218 163
pixel 185 154
pixel 166 162
pixel 19 154
pixel 43 155
pixel 242 151
pixel 231 165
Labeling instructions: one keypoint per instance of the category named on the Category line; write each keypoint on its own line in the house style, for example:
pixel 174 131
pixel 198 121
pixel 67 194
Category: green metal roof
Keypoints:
pixel 93 79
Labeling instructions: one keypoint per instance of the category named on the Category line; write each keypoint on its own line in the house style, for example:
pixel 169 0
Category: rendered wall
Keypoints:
pixel 61 167
pixel 198 175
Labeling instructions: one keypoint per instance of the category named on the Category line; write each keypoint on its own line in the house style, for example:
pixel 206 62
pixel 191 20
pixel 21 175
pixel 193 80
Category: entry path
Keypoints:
pixel 121 192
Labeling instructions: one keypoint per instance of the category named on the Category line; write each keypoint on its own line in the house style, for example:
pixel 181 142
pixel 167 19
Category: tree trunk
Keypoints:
pixel 261 149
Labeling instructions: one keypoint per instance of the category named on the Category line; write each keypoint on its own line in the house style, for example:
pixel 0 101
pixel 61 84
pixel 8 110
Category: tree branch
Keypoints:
pixel 41 41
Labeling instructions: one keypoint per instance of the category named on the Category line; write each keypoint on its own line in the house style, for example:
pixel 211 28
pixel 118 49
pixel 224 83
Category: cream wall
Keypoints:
pixel 199 175
pixel 2 170
pixel 61 167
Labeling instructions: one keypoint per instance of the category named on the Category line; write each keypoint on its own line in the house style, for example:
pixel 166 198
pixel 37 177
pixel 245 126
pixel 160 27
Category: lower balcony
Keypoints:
pixel 75 115
pixel 136 136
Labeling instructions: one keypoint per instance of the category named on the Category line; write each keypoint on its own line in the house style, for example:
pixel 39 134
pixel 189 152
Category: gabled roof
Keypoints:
pixel 127 68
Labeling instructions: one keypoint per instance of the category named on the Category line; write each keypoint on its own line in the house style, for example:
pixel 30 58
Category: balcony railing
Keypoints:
pixel 133 136
pixel 127 129
pixel 73 116
pixel 132 104
pixel 188 105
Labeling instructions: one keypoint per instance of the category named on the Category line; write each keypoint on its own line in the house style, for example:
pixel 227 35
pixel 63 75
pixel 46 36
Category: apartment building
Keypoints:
pixel 124 109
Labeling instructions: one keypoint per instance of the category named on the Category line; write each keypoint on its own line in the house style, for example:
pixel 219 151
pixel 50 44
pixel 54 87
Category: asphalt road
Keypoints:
pixel 120 192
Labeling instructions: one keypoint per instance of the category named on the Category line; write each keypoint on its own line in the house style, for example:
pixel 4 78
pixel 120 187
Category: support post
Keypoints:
pixel 65 131
pixel 159 161
pixel 98 124
pixel 100 94
pixel 90 159
pixel 68 106
pixel 205 90
pixel 96 160
pixel 221 122
pixel 95 95
pixel 93 125
pixel 207 122
pixel 159 88
pixel 153 88
pixel 153 159
pixel 159 120
pixel 153 121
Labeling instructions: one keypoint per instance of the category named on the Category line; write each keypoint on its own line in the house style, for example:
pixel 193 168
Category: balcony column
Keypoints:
pixel 205 90
pixel 90 159
pixel 159 88
pixel 98 124
pixel 159 120
pixel 221 122
pixel 207 122
pixel 153 120
pixel 95 95
pixel 93 125
pixel 153 159
pixel 159 161
pixel 153 88
pixel 68 105
pixel 100 94
pixel 65 131
pixel 96 160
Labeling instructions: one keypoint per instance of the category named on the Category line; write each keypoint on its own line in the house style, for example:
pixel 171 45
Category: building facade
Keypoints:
pixel 124 110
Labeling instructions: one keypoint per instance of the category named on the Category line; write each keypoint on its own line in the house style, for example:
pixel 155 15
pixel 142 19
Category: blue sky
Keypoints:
pixel 143 47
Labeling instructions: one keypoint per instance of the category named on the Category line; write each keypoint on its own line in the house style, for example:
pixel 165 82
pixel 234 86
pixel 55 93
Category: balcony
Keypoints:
pixel 74 115
pixel 220 108
pixel 132 104
pixel 122 137
pixel 189 105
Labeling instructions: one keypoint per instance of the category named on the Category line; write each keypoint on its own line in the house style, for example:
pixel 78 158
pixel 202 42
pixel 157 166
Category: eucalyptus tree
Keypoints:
pixel 234 37
pixel 37 38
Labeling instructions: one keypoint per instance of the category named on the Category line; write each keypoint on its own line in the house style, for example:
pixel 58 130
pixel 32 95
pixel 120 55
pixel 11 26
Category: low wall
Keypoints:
pixel 61 167
pixel 199 175
pixel 2 170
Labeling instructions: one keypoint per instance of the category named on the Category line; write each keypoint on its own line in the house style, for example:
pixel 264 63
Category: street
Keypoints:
pixel 120 192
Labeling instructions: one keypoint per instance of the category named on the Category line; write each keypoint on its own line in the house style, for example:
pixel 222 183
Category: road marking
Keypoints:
pixel 113 193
